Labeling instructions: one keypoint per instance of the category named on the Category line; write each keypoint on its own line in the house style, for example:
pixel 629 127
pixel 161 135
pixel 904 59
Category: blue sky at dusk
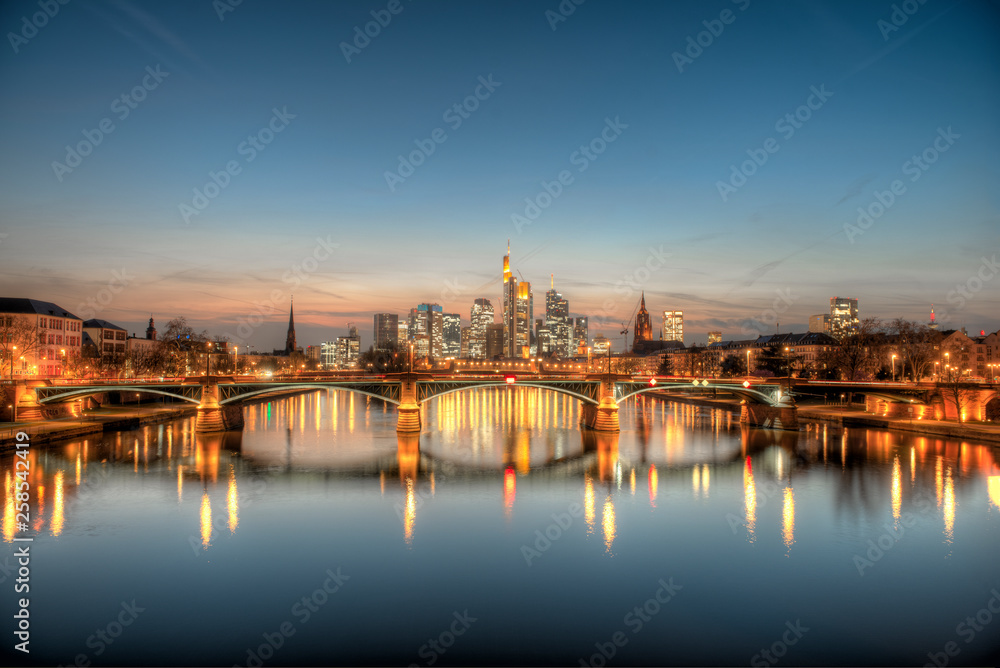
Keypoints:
pixel 646 213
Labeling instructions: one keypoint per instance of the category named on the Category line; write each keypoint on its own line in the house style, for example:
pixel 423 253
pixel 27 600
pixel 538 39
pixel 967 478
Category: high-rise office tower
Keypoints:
pixel 557 322
pixel 843 317
pixel 820 323
pixel 466 340
pixel 386 330
pixel 404 332
pixel 643 326
pixel 673 326
pixel 451 335
pixel 481 317
pixel 581 335
pixel 426 327
pixel 525 310
pixel 494 340
pixel 509 308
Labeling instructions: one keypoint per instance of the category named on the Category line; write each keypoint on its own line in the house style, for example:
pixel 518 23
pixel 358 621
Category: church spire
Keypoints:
pixel 290 346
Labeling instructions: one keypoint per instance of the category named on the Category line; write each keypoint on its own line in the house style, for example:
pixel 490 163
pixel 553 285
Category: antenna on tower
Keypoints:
pixel 508 247
pixel 552 281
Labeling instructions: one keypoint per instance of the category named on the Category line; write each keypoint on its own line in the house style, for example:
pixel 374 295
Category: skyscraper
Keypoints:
pixel 386 330
pixel 581 335
pixel 843 316
pixel 481 317
pixel 673 326
pixel 557 322
pixel 714 337
pixel 643 327
pixel 820 323
pixel 518 312
pixel 451 335
pixel 426 328
pixel 494 340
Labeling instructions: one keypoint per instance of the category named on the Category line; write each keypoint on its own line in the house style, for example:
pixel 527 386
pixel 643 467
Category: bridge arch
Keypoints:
pixel 60 397
pixel 752 396
pixel 425 396
pixel 272 389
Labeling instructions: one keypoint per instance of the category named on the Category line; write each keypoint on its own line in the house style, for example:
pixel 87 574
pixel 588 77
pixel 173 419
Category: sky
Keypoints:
pixel 742 161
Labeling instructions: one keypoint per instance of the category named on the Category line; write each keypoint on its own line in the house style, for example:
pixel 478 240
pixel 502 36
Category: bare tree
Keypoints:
pixel 858 355
pixel 915 343
pixel 19 337
pixel 961 395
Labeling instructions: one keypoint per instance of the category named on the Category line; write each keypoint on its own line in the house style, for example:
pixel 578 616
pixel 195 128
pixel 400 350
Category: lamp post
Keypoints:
pixel 208 359
pixel 748 361
pixel 893 367
pixel 236 359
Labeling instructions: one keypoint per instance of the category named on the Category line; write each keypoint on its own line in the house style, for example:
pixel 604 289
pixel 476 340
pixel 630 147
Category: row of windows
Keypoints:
pixel 58 323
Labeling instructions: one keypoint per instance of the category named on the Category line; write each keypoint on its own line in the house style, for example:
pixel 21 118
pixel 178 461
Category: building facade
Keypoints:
pixel 36 338
pixel 481 317
pixel 386 330
pixel 673 326
pixel 843 317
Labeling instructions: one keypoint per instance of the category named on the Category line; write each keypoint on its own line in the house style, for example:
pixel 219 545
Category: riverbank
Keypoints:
pixel 845 416
pixel 109 418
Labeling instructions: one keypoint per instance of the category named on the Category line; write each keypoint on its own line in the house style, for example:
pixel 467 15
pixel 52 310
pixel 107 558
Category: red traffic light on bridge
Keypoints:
pixel 746 383
pixel 510 379
pixel 652 381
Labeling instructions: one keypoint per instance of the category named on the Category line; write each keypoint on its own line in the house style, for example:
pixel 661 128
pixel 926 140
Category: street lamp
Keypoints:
pixel 748 361
pixel 894 367
pixel 208 359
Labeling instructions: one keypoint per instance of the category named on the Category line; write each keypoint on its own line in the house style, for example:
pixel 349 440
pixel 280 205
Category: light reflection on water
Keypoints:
pixel 326 475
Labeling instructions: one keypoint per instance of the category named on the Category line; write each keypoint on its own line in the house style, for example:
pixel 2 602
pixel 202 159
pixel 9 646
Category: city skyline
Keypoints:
pixel 718 185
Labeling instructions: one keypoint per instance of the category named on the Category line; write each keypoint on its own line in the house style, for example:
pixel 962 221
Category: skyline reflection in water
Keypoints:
pixel 492 472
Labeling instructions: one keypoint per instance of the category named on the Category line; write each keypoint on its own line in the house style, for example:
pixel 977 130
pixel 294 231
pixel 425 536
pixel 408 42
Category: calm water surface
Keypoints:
pixel 503 534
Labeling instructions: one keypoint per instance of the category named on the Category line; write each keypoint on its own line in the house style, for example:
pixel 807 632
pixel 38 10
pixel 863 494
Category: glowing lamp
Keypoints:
pixel 652 381
pixel 510 379
pixel 746 383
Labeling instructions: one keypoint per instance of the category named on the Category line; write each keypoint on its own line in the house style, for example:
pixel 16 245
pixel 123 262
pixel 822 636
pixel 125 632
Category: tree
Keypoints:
pixel 19 337
pixel 858 356
pixel 626 364
pixel 771 360
pixel 391 359
pixel 184 347
pixel 666 367
pixel 961 395
pixel 733 365
pixel 915 346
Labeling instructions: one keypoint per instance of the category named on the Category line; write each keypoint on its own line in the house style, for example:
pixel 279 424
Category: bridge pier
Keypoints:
pixel 215 417
pixel 26 401
pixel 782 416
pixel 408 411
pixel 603 416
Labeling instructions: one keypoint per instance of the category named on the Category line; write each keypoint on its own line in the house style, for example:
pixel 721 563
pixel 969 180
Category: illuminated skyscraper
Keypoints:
pixel 386 330
pixel 673 326
pixel 525 318
pixel 426 328
pixel 481 317
pixel 451 335
pixel 518 312
pixel 643 327
pixel 557 323
pixel 581 336
pixel 714 337
pixel 843 316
